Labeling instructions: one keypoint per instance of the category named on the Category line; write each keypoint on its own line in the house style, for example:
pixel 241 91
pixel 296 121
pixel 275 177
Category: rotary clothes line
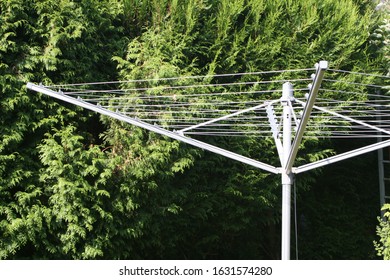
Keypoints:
pixel 192 109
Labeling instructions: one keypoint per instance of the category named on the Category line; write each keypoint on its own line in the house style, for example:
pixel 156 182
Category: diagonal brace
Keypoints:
pixel 321 67
pixel 226 117
pixel 349 119
pixel 340 157
pixel 275 129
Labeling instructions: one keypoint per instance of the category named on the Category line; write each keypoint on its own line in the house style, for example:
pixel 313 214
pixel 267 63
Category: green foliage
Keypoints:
pixel 381 40
pixel 245 38
pixel 73 186
pixel 44 41
pixel 333 213
pixel 383 230
pixel 380 36
pixel 74 182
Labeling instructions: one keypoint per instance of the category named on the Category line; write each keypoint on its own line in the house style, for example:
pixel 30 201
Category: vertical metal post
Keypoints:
pixel 381 171
pixel 381 166
pixel 287 176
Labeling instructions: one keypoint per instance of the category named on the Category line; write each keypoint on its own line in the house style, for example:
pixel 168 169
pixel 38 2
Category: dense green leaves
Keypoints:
pixel 383 231
pixel 381 40
pixel 77 186
pixel 41 41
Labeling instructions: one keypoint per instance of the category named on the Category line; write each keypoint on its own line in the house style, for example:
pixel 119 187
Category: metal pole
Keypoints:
pixel 381 171
pixel 287 175
pixel 381 168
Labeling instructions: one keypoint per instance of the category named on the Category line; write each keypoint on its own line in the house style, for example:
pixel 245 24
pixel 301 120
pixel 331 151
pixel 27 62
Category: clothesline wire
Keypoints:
pixel 170 96
pixel 243 123
pixel 374 106
pixel 97 99
pixel 164 88
pixel 360 107
pixel 312 131
pixel 92 98
pixel 173 99
pixel 182 87
pixel 185 77
pixel 335 127
pixel 324 135
pixel 184 105
pixel 217 76
pixel 354 83
pixel 173 107
pixel 212 113
pixel 332 121
pixel 354 92
pixel 359 73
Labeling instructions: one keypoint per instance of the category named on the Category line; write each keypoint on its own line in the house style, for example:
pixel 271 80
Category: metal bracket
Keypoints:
pixel 275 129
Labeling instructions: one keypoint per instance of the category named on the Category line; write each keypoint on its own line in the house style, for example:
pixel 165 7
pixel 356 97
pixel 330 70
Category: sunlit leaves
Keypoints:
pixel 383 231
pixel 74 186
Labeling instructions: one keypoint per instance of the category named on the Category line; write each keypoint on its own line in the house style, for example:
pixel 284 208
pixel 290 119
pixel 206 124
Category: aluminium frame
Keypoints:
pixel 287 149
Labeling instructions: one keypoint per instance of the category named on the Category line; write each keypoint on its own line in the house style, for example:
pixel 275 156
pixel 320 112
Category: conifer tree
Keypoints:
pixel 77 186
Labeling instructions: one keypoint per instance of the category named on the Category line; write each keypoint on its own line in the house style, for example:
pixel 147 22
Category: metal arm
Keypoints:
pixel 342 156
pixel 321 67
pixel 153 128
